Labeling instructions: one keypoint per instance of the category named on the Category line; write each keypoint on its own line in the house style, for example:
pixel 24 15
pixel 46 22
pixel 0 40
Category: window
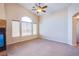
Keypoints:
pixel 25 27
pixel 15 29
pixel 26 19
pixel 34 29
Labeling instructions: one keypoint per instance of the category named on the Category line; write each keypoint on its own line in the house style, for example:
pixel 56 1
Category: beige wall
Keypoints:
pixel 15 12
pixel 2 11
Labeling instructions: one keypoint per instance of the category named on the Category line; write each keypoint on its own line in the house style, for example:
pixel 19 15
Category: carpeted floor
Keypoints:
pixel 42 47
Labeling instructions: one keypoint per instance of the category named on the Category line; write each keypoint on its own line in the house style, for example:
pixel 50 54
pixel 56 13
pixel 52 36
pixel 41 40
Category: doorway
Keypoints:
pixel 75 30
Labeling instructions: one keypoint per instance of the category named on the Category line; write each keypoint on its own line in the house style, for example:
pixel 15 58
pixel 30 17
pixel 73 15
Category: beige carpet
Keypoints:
pixel 42 47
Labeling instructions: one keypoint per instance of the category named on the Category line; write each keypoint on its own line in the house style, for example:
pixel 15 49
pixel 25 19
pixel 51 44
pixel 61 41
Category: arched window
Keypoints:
pixel 26 19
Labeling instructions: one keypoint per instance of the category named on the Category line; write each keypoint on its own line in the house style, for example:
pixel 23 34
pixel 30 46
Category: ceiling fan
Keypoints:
pixel 39 7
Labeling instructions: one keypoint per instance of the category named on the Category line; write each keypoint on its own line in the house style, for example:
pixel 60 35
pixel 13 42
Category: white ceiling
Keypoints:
pixel 52 7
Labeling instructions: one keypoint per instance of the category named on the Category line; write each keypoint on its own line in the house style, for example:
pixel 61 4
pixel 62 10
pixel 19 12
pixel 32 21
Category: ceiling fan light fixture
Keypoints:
pixel 39 8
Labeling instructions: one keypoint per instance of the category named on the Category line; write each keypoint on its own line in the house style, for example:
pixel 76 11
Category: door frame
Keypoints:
pixel 74 29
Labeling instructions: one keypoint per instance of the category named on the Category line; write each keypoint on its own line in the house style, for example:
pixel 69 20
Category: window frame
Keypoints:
pixel 31 28
pixel 19 28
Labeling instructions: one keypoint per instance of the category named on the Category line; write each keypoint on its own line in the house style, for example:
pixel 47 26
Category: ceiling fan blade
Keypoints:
pixel 43 11
pixel 37 12
pixel 44 7
pixel 33 9
pixel 37 4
